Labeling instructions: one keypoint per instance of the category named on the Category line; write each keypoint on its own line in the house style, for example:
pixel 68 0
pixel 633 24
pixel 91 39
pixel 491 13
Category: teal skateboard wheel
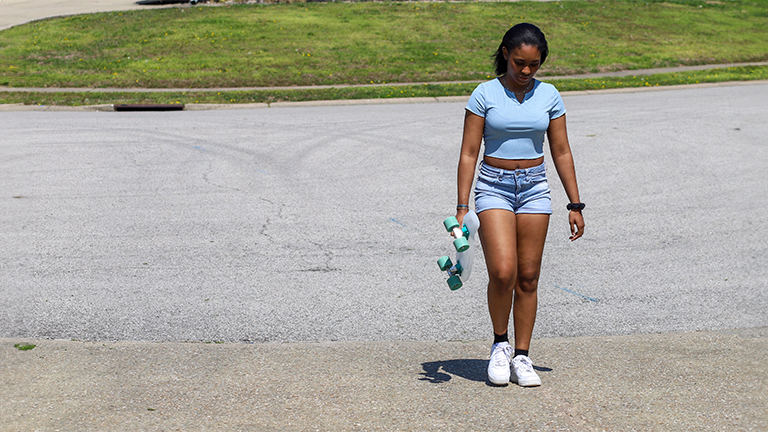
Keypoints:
pixel 454 282
pixel 450 223
pixel 445 263
pixel 461 244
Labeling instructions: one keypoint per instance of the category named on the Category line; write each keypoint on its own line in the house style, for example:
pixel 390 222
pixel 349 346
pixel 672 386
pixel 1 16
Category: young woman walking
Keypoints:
pixel 510 115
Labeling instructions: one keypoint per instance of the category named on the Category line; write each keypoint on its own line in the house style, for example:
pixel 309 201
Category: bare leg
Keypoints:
pixel 531 235
pixel 498 233
pixel 513 247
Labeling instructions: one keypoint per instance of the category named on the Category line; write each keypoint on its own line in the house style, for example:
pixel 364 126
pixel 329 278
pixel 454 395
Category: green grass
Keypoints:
pixel 355 43
pixel 365 43
pixel 24 347
pixel 377 92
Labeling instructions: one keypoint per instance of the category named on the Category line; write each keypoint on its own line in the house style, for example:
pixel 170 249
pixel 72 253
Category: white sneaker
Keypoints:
pixel 498 367
pixel 523 373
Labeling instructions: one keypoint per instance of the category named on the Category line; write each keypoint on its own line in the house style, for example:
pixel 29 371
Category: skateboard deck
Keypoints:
pixel 464 243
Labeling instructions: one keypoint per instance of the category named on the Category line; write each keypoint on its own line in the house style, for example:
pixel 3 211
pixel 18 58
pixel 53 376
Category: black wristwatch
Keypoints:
pixel 575 206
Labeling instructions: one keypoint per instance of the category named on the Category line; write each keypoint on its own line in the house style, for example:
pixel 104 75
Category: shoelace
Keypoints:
pixel 501 355
pixel 525 364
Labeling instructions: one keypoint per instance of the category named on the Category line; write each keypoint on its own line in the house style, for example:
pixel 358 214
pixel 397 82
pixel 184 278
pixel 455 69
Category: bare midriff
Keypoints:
pixel 513 164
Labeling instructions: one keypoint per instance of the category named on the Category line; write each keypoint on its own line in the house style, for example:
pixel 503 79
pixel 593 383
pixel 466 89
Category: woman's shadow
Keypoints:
pixel 439 372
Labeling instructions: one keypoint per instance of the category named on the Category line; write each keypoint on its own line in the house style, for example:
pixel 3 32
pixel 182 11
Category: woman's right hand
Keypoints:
pixel 460 213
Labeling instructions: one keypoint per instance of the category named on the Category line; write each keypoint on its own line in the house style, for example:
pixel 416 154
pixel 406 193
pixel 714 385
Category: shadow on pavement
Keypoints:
pixel 438 372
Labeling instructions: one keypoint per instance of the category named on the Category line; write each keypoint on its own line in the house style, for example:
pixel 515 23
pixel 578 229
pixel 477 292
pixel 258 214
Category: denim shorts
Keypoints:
pixel 523 191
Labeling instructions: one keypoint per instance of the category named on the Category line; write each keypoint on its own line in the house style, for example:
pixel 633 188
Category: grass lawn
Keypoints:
pixel 369 43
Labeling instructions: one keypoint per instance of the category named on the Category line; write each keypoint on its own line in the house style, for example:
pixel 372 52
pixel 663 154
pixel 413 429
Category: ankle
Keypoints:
pixel 500 338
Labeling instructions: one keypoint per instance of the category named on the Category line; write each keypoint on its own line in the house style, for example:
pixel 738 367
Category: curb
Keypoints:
pixel 347 102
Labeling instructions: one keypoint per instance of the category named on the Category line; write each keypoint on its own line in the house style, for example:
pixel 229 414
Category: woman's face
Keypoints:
pixel 522 63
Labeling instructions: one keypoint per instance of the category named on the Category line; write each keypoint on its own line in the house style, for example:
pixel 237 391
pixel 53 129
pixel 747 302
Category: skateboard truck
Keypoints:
pixel 462 234
pixel 454 272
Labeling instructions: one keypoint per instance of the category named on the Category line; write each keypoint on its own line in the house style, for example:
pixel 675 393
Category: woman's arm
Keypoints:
pixel 470 149
pixel 563 159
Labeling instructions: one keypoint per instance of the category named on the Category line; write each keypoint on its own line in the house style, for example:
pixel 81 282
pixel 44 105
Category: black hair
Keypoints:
pixel 519 35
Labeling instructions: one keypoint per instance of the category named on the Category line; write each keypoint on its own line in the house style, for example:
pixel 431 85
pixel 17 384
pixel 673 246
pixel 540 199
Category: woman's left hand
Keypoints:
pixel 576 223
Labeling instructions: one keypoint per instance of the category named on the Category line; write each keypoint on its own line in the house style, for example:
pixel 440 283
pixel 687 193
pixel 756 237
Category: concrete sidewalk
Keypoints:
pixel 661 382
pixel 16 12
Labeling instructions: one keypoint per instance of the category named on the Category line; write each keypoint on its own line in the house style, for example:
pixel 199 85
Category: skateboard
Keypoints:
pixel 464 244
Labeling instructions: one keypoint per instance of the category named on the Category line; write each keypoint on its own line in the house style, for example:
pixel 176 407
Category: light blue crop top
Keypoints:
pixel 515 130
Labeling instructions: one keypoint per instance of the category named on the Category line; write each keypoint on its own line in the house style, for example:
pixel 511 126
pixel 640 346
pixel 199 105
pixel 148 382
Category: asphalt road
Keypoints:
pixel 323 223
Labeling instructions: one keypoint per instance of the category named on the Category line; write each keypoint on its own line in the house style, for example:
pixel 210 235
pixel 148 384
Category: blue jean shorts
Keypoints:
pixel 523 191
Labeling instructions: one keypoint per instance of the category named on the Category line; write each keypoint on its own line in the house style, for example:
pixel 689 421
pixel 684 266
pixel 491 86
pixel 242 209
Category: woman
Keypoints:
pixel 511 114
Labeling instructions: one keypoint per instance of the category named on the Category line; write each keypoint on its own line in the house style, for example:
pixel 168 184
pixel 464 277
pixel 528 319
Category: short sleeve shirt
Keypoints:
pixel 514 129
